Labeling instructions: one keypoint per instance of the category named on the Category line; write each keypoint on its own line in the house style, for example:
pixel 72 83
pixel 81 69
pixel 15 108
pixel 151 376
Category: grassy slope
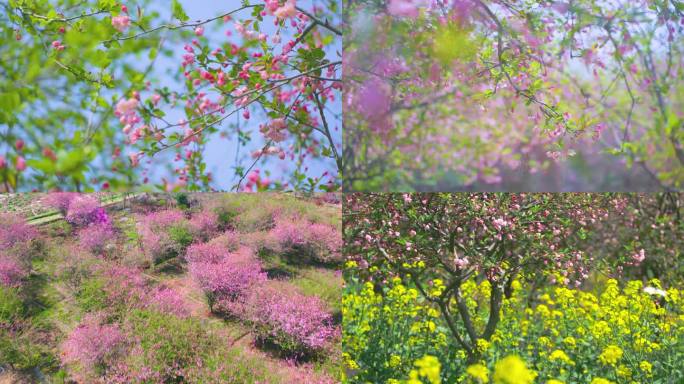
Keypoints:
pixel 54 301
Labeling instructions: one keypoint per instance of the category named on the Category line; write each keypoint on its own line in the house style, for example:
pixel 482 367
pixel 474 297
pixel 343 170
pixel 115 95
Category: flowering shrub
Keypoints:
pixel 85 209
pixel 11 271
pixel 298 324
pixel 569 335
pixel 224 276
pixel 60 201
pixel 93 348
pixel 168 300
pixel 204 225
pixel 95 237
pixel 163 234
pixel 14 231
pixel 300 237
pixel 122 288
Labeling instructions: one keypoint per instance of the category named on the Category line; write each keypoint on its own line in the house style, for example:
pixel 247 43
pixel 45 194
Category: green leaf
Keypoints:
pixel 178 12
pixel 9 101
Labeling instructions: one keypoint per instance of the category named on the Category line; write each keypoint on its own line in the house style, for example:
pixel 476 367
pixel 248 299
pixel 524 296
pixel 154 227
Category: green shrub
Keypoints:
pixel 181 237
pixel 22 348
pixel 91 296
pixel 182 200
pixel 11 304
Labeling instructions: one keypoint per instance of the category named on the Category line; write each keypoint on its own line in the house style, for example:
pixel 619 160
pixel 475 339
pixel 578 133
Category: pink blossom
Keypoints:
pixel 11 272
pixel 404 8
pixel 57 45
pixel 199 31
pixel 286 11
pixel 83 210
pixel 120 23
pixel 278 312
pixel 92 344
pixel 169 300
pixel 14 231
pixel 225 275
pixel 638 257
pixel 204 224
pixel 59 200
pixel 95 236
pixel 20 163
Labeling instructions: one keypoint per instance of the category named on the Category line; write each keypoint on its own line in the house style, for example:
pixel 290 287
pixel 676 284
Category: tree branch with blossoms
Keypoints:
pixel 255 69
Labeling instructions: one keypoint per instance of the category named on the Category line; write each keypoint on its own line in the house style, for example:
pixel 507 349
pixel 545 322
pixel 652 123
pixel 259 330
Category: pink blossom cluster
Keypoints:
pixel 95 237
pixel 128 286
pixel 235 284
pixel 152 229
pixel 285 11
pixel 12 272
pixel 323 241
pixel 204 225
pixel 84 210
pixel 225 276
pixel 15 231
pixel 279 313
pixel 59 200
pixel 168 300
pixel 91 346
pixel 121 23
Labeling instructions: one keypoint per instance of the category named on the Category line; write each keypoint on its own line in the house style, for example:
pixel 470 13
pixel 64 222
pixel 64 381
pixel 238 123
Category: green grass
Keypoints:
pixel 322 283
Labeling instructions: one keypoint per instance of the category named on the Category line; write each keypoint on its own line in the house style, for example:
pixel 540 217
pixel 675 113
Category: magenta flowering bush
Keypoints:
pixel 125 288
pixel 206 253
pixel 155 229
pixel 224 276
pixel 297 323
pixel 14 230
pixel 229 240
pixel 59 200
pixel 204 225
pixel 11 271
pixel 85 209
pixel 93 348
pixel 168 300
pixel 95 237
pixel 303 238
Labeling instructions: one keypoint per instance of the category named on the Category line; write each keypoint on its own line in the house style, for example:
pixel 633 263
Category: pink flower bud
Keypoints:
pixel 20 164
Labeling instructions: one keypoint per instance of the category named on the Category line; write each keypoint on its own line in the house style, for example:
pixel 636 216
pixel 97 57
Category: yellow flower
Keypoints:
pixel 554 381
pixel 437 288
pixel 482 345
pixel 512 370
pixel 570 341
pixel 599 380
pixel 623 371
pixel 428 367
pixel 394 361
pixel 646 367
pixel 560 355
pixel 610 355
pixel 478 372
pixel 351 264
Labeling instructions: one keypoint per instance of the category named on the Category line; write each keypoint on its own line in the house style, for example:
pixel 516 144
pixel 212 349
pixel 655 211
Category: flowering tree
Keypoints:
pixel 644 240
pixel 468 89
pixel 84 105
pixel 439 241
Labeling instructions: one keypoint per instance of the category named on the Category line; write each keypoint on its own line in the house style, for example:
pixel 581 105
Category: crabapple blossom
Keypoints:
pixel 121 23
